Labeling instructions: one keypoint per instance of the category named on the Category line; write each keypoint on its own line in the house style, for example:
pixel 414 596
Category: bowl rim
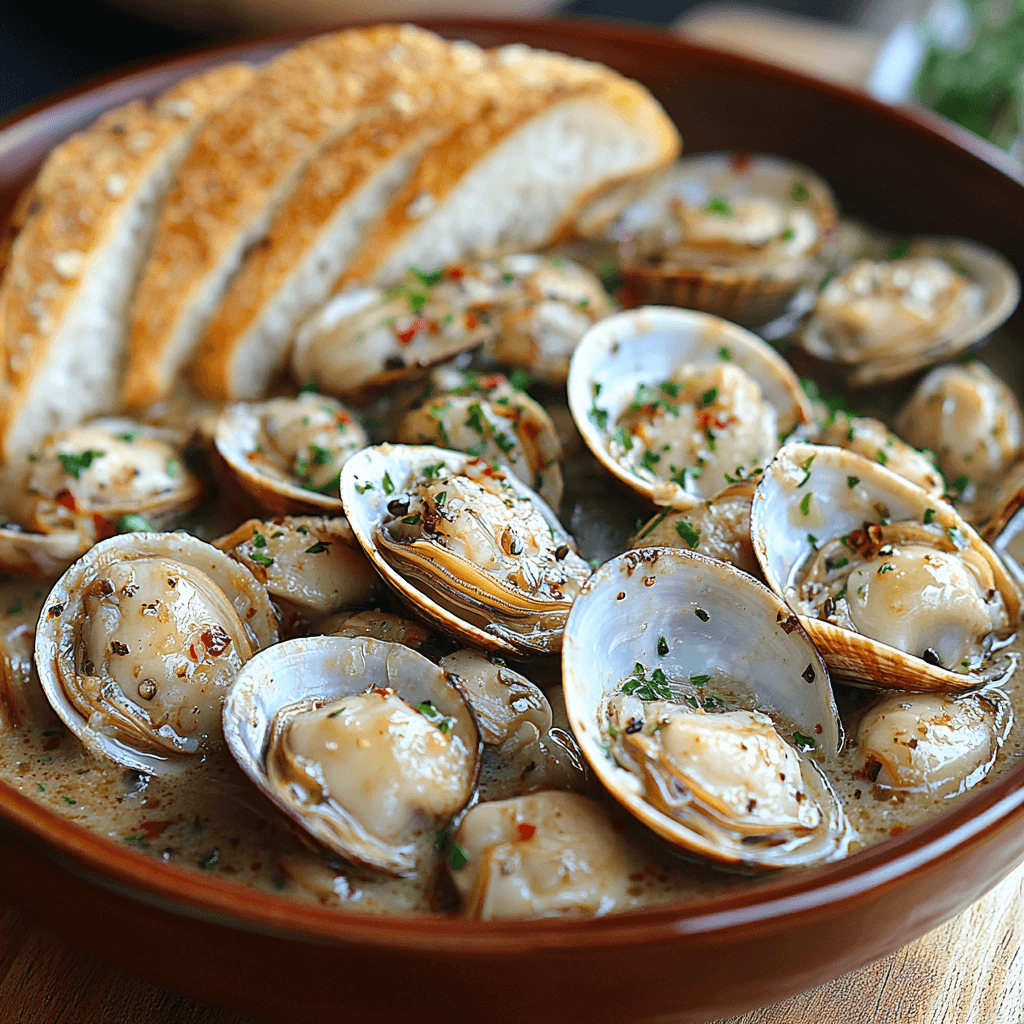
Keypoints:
pixel 786 901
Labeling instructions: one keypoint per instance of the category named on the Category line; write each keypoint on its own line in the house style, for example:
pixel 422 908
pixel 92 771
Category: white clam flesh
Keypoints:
pixel 523 752
pixel 475 552
pixel 139 640
pixel 883 319
pixel 875 441
pixel 974 424
pixel 288 452
pixel 718 528
pixel 312 566
pixel 483 414
pixel 932 743
pixel 548 854
pixel 895 588
pixel 697 699
pixel 678 404
pixel 731 234
pixel 369 747
pixel 86 482
pixel 378 625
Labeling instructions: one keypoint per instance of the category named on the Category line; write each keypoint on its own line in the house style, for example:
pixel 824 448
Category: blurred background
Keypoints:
pixel 962 58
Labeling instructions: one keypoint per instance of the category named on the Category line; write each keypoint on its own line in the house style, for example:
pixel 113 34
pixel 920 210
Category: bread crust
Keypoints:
pixel 415 114
pixel 538 80
pixel 245 156
pixel 68 212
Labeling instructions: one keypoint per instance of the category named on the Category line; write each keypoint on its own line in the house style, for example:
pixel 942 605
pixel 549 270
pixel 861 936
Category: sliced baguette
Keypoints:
pixel 516 177
pixel 246 162
pixel 85 227
pixel 341 195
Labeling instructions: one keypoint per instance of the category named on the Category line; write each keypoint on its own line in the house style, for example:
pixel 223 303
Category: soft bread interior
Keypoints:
pixel 520 195
pixel 75 264
pixel 244 367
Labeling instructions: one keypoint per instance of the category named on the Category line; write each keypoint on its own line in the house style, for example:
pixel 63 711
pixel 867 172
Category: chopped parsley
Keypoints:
pixel 363 488
pixel 457 857
pixel 261 559
pixel 650 460
pixel 699 680
pixel 881 457
pixel 885 567
pixel 319 547
pixel 806 467
pixel 724 354
pixel 258 540
pixel 662 647
pixel 688 533
pixel 134 523
pixel 520 380
pixel 803 742
pixel 74 464
pixel 852 481
pixel 720 206
pixel 805 503
pixel 929 515
pixel 208 859
pixel 708 397
pixel 426 278
pixel 798 193
pixel 701 614
pixel 389 487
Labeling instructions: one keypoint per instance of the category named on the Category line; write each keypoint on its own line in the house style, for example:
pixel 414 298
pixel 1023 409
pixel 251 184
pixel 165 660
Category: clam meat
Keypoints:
pixel 895 588
pixel 140 639
pixel 548 854
pixel 368 746
pixel 680 404
pixel 288 452
pixel 466 544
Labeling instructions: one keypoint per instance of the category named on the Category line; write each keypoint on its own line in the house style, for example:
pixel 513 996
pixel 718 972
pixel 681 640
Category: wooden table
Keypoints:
pixel 969 971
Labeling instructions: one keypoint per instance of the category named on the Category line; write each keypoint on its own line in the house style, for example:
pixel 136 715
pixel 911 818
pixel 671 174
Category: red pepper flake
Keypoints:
pixel 471 321
pixel 102 527
pixel 455 273
pixel 152 829
pixel 897 830
pixel 739 162
pixel 529 429
pixel 67 500
pixel 215 640
pixel 192 652
pixel 421 323
pixel 491 380
pixel 526 830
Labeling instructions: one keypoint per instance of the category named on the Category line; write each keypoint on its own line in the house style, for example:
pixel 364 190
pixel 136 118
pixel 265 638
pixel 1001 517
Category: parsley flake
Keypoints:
pixel 74 464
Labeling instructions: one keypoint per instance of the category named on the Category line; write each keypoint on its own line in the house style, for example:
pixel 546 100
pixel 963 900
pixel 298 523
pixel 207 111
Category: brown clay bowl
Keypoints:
pixel 286 961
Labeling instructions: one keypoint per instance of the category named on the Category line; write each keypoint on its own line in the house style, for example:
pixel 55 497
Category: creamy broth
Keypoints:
pixel 205 815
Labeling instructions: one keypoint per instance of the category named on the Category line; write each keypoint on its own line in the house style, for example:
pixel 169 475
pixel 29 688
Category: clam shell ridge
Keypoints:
pixel 365 497
pixel 323 669
pixel 841 491
pixel 644 346
pixel 749 634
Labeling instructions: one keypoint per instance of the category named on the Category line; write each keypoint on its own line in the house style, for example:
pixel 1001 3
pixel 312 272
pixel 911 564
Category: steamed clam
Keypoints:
pixel 473 550
pixel 697 697
pixel 718 528
pixel 368 746
pixel 483 414
pixel 882 320
pixel 932 743
pixel 288 452
pixel 87 482
pixel 678 404
pixel 730 234
pixel 140 639
pixel 548 854
pixel 311 565
pixel 974 424
pixel 894 587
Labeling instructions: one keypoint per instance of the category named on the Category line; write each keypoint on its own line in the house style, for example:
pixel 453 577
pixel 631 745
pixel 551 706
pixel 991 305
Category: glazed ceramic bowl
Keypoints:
pixel 297 962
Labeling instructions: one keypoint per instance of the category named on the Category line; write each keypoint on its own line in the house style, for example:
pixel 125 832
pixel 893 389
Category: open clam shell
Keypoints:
pixel 631 375
pixel 287 452
pixel 982 292
pixel 704 625
pixel 812 496
pixel 92 634
pixel 308 673
pixel 453 594
pixel 731 234
pixel 41 556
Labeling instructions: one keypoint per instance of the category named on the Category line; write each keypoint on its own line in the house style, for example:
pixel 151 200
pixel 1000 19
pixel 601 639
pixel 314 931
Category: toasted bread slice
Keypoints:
pixel 341 195
pixel 516 176
pixel 85 227
pixel 246 162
